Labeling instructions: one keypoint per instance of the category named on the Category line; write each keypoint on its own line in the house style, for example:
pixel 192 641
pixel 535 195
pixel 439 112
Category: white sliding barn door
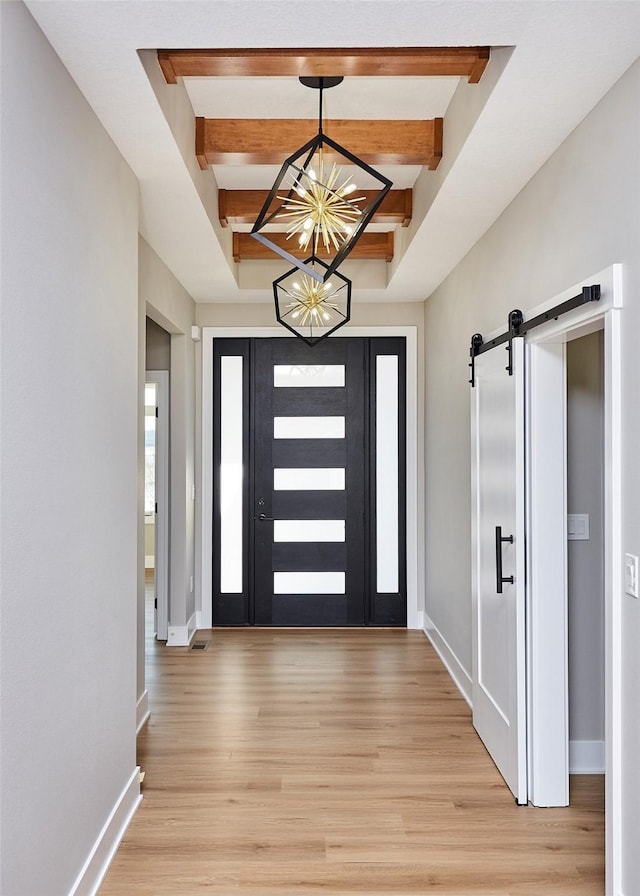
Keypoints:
pixel 498 563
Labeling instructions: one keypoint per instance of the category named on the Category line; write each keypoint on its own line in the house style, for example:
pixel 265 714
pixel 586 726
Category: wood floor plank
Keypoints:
pixel 341 762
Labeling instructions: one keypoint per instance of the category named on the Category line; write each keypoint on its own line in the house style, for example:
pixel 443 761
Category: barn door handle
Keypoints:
pixel 500 579
pixel 263 518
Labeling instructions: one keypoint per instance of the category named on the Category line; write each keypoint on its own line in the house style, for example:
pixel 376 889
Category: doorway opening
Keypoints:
pixel 585 552
pixel 549 720
pixel 156 503
pixel 150 411
pixel 544 430
pixel 309 503
pixel 414 483
pixel 585 567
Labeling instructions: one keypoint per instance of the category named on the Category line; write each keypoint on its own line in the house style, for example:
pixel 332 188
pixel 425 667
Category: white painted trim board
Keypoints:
pixel 142 710
pixel 181 635
pixel 452 664
pixel 577 323
pixel 104 849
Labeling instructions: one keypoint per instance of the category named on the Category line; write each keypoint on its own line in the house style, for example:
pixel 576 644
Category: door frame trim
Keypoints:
pixel 545 429
pixel 410 333
pixel 606 315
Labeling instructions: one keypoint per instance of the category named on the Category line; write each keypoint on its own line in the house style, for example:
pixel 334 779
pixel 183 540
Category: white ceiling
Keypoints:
pixel 355 98
pixel 566 55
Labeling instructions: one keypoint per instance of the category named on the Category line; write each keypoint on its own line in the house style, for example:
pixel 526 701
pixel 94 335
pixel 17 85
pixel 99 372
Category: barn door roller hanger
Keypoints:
pixel 517 326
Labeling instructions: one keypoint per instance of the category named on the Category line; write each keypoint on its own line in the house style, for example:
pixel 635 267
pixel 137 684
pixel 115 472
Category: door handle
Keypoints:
pixel 264 519
pixel 500 579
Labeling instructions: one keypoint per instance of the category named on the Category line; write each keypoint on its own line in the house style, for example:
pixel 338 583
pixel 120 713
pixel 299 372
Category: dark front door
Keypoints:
pixel 321 486
pixel 309 484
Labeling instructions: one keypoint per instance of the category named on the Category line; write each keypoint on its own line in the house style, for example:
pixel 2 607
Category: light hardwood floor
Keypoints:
pixel 282 762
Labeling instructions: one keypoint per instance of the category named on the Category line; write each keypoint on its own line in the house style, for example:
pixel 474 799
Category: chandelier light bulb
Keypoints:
pixel 311 301
pixel 322 211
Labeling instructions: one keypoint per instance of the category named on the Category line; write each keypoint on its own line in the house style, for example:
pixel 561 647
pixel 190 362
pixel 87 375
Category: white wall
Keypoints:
pixel 578 215
pixel 263 315
pixel 69 477
pixel 157 346
pixel 585 494
pixel 166 302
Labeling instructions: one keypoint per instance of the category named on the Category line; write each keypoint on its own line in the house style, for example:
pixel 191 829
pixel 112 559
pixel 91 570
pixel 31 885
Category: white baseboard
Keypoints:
pixel 142 711
pixel 454 667
pixel 420 617
pixel 90 878
pixel 586 757
pixel 181 635
pixel 414 618
pixel 199 624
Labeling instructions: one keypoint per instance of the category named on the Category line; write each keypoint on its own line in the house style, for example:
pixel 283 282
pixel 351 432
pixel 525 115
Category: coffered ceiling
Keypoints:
pixel 457 102
pixel 389 112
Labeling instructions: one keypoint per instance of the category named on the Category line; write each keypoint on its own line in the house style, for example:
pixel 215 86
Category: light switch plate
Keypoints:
pixel 631 574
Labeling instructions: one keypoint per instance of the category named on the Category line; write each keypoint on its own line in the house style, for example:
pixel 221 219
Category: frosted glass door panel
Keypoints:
pixel 387 494
pixel 231 475
pixel 301 375
pixel 308 530
pixel 308 583
pixel 308 479
pixel 308 428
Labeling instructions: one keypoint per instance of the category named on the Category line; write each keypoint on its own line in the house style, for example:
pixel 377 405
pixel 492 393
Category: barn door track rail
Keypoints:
pixel 517 326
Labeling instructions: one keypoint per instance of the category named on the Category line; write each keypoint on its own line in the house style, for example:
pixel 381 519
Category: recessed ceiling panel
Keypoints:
pixel 261 177
pixel 364 98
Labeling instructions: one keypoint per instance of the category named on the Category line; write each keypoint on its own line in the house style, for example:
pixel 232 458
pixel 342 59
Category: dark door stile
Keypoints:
pixel 355 557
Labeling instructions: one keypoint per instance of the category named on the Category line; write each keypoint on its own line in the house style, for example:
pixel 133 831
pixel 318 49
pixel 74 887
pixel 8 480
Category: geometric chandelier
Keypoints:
pixel 317 199
pixel 311 307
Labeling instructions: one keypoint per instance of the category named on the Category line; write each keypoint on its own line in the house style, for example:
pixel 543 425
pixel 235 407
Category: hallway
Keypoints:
pixel 298 761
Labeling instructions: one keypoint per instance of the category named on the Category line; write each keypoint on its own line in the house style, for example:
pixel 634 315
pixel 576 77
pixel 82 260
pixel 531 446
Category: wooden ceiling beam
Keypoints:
pixel 243 206
pixel 469 62
pixel 254 141
pixel 370 247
